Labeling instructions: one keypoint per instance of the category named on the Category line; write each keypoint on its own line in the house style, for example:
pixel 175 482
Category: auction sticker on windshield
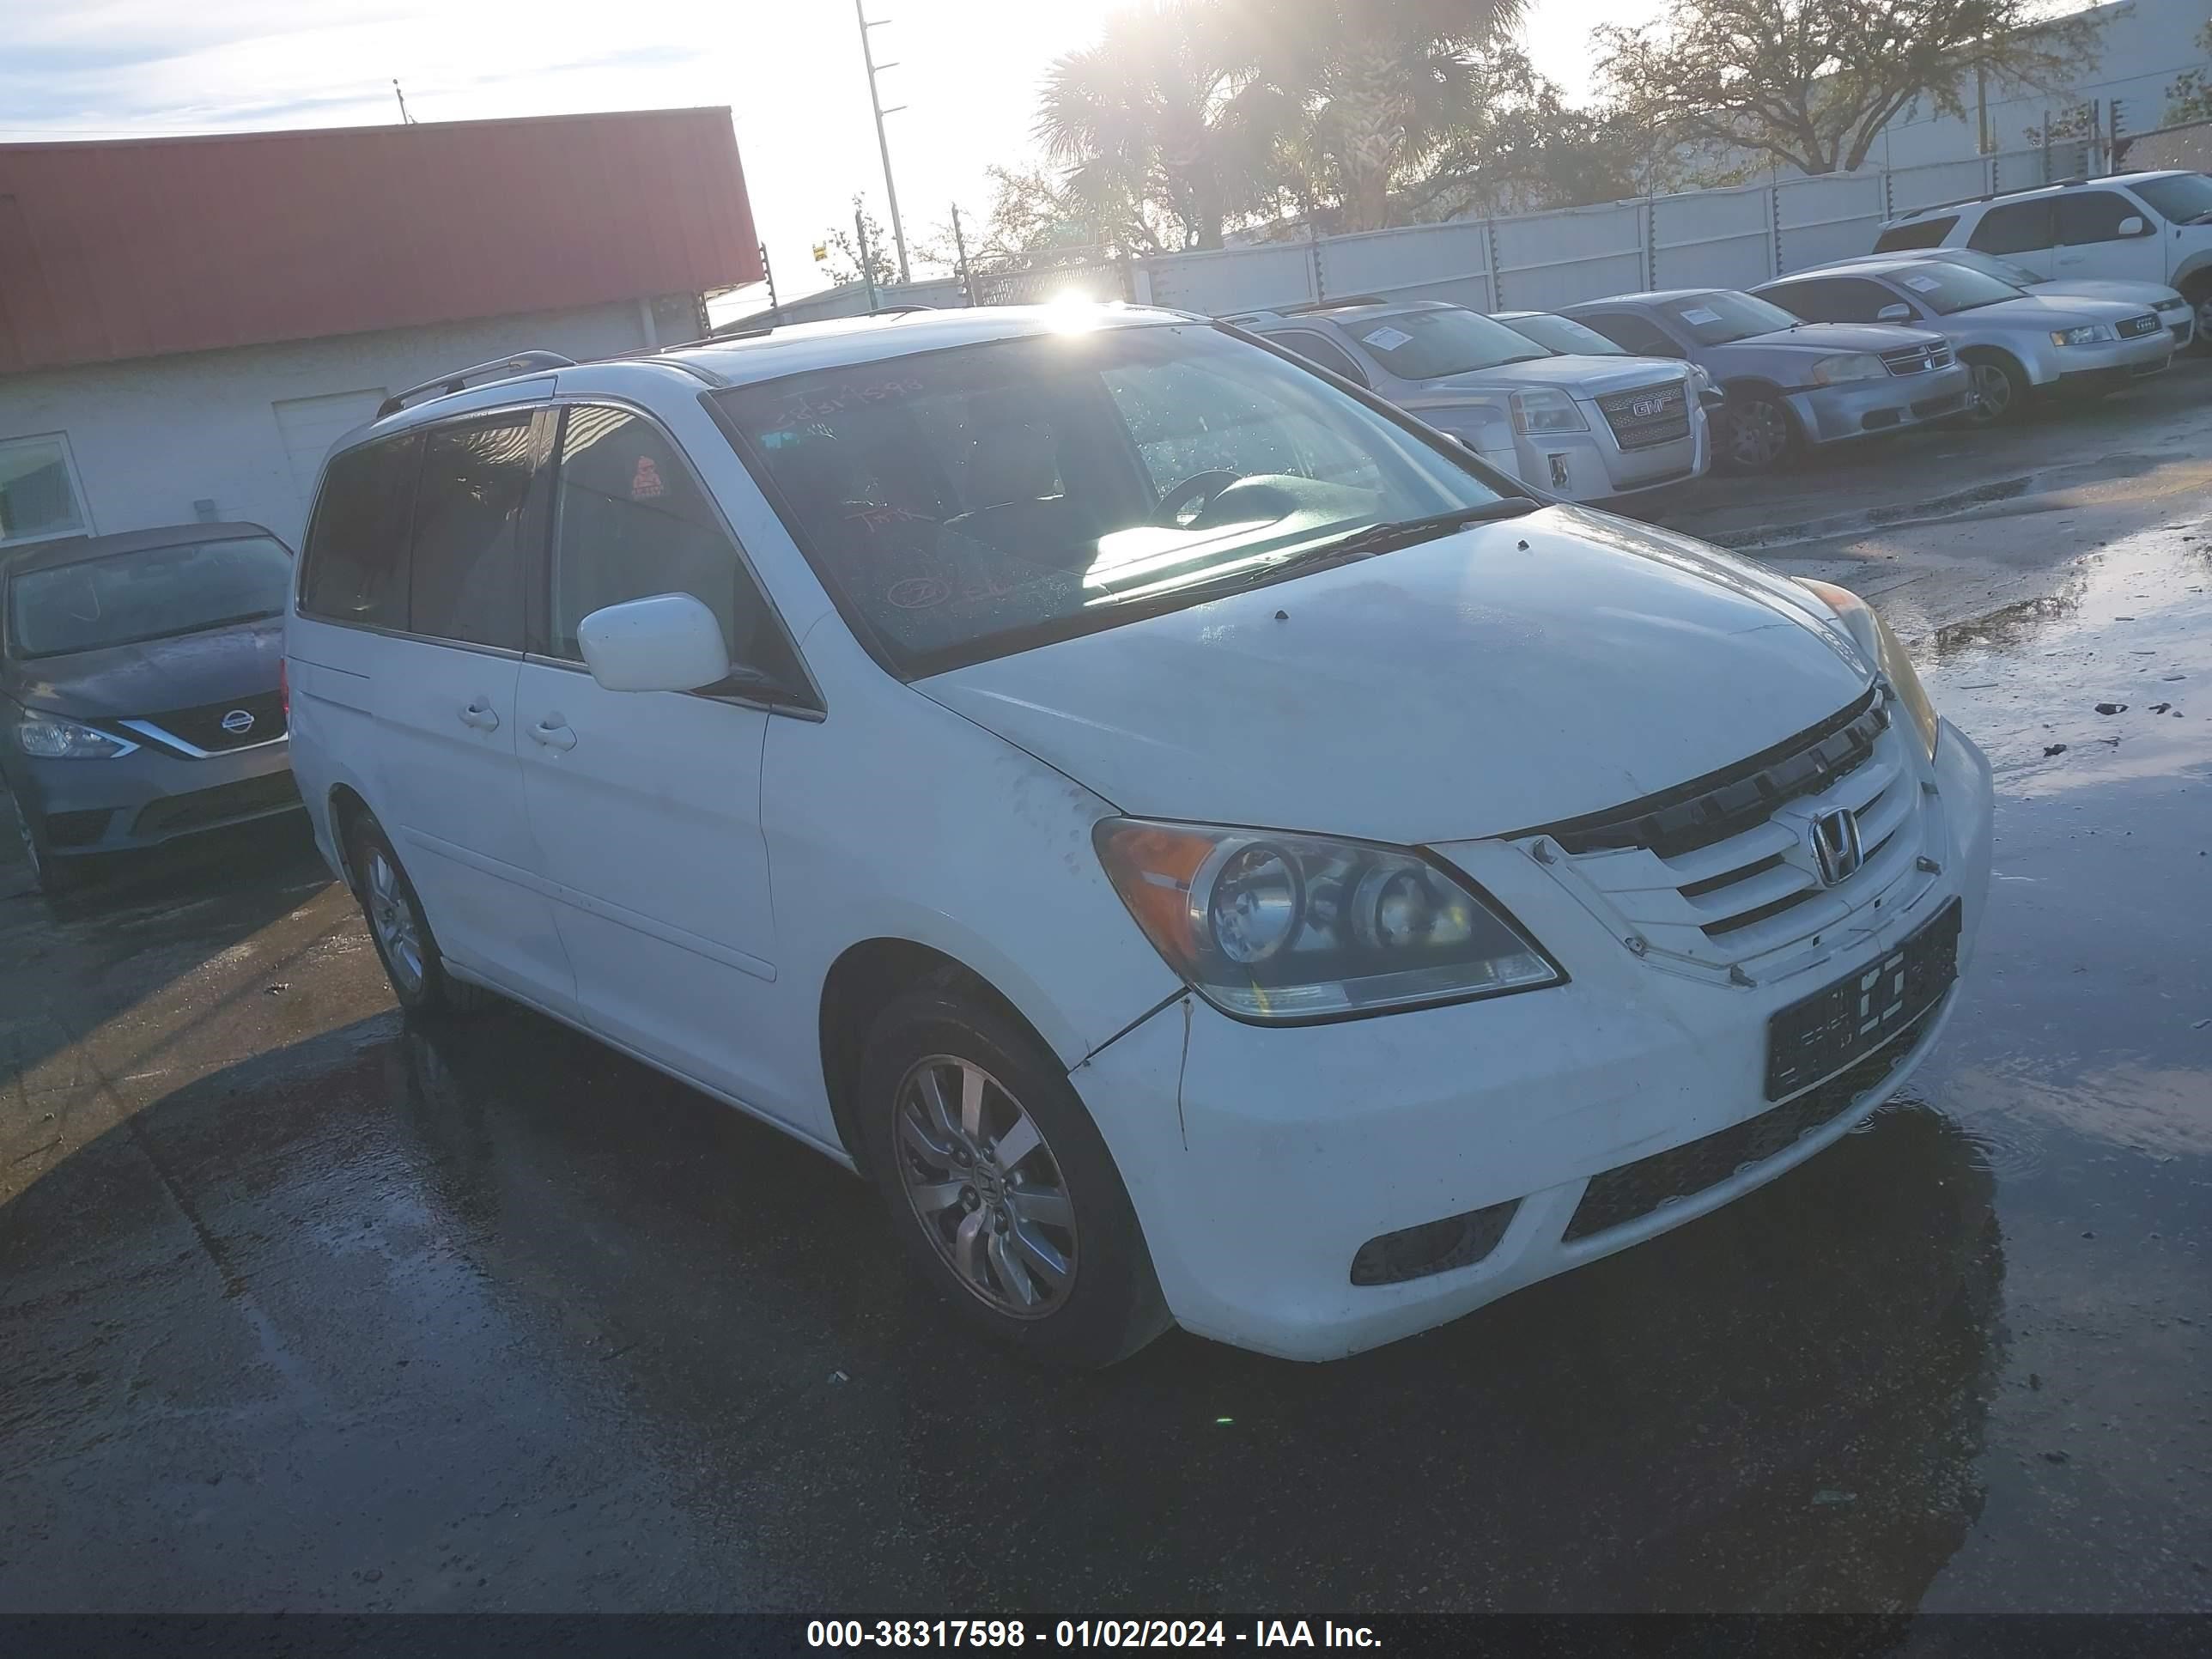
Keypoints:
pixel 1700 314
pixel 1922 284
pixel 1387 339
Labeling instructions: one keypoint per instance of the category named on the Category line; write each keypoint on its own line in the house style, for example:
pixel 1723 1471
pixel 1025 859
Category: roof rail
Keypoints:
pixel 1333 304
pixel 523 362
pixel 894 310
pixel 1989 196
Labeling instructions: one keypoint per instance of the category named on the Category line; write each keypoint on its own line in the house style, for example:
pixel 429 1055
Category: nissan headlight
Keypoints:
pixel 1849 366
pixel 49 738
pixel 1545 410
pixel 1270 927
pixel 1882 650
pixel 2087 334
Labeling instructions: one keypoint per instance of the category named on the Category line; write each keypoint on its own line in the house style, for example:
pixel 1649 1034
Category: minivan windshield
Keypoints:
pixel 969 502
pixel 1423 345
pixel 2181 198
pixel 1718 318
pixel 1564 335
pixel 151 593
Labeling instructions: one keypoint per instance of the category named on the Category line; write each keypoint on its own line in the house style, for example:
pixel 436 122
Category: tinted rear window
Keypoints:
pixel 467 577
pixel 356 564
pixel 1921 233
pixel 2014 227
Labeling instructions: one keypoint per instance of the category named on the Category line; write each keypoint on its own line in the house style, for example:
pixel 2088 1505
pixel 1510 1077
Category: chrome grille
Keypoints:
pixel 1728 879
pixel 1918 359
pixel 214 727
pixel 1647 415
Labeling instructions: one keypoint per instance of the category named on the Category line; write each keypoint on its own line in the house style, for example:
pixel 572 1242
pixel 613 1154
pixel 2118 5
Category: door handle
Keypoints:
pixel 480 714
pixel 554 732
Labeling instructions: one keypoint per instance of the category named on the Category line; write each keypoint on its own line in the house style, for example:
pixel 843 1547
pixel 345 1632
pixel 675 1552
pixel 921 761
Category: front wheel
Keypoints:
pixel 2000 390
pixel 1757 432
pixel 1000 1186
pixel 2201 301
pixel 52 875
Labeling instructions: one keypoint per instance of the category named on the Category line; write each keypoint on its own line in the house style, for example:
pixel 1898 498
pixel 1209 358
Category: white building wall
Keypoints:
pixel 153 436
pixel 2145 45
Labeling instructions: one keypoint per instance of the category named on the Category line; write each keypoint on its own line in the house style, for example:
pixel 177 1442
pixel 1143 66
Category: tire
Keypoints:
pixel 52 874
pixel 1757 432
pixel 2001 392
pixel 2200 299
pixel 400 931
pixel 983 1232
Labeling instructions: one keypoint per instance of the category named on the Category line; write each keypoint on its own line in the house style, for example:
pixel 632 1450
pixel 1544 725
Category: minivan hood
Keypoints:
pixel 1587 377
pixel 1826 337
pixel 125 682
pixel 1509 674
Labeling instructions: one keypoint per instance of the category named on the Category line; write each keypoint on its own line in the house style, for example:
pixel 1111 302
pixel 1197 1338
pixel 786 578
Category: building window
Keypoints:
pixel 38 492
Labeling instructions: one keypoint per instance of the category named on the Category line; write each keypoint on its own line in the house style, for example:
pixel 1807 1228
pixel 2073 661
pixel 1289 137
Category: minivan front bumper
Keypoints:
pixel 1261 1160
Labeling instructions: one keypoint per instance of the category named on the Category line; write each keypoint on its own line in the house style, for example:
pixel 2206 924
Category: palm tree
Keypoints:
pixel 1150 114
pixel 1383 81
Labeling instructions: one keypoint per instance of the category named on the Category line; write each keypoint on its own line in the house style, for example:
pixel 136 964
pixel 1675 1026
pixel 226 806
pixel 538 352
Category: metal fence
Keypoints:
pixel 1732 238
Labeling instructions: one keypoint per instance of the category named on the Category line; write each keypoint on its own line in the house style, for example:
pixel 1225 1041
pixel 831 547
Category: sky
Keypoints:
pixel 966 72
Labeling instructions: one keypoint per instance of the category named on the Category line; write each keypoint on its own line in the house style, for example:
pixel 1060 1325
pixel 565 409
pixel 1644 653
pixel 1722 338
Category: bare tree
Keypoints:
pixel 1812 84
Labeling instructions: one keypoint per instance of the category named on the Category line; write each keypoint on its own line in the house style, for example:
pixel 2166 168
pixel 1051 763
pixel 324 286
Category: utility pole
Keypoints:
pixel 405 119
pixel 867 259
pixel 960 250
pixel 883 144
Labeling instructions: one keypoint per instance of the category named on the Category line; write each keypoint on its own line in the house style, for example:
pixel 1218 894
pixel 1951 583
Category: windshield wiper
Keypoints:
pixel 1396 533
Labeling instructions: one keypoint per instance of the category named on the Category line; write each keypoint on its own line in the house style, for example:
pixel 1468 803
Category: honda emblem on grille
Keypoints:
pixel 238 722
pixel 1836 851
pixel 1645 408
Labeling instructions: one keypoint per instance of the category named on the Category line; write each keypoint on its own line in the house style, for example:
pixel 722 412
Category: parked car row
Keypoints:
pixel 1634 392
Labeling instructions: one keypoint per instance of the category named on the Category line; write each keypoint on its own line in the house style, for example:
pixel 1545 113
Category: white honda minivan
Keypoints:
pixel 1209 848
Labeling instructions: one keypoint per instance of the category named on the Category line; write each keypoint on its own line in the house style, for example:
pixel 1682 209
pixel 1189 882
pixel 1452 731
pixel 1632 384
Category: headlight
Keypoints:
pixel 1849 366
pixel 1883 649
pixel 50 738
pixel 2087 334
pixel 1287 927
pixel 2172 302
pixel 1546 411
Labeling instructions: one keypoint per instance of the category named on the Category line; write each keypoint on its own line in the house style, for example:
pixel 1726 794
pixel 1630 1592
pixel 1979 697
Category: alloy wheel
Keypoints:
pixel 393 920
pixel 985 1187
pixel 2205 319
pixel 1758 433
pixel 1992 392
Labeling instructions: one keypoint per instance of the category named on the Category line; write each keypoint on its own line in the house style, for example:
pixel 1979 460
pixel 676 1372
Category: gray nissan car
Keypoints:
pixel 1789 385
pixel 140 688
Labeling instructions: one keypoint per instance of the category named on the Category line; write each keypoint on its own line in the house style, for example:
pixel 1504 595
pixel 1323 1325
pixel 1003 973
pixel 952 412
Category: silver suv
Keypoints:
pixel 1584 428
pixel 2019 346
pixel 2132 227
pixel 1789 384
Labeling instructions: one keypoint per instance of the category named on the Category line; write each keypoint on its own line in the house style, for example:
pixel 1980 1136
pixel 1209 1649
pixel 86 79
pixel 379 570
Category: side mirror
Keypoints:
pixel 670 643
pixel 2134 226
pixel 1900 312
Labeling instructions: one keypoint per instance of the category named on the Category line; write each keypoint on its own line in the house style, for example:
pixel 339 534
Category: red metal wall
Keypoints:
pixel 135 248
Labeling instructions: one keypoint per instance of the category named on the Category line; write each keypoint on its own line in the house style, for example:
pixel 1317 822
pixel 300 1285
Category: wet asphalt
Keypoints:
pixel 303 1309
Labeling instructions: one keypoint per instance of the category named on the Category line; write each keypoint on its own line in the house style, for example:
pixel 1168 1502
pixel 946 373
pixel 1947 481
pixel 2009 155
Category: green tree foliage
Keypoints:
pixel 1811 83
pixel 2190 97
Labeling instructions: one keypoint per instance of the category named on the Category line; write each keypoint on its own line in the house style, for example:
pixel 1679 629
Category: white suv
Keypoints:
pixel 874 724
pixel 2132 227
